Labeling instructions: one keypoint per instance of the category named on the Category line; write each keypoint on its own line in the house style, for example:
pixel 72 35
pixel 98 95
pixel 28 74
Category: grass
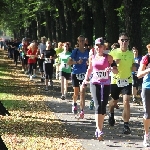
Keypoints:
pixel 32 126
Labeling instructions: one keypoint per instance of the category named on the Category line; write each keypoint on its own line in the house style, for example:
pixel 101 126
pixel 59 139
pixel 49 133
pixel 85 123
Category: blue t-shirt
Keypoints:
pixel 76 56
pixel 137 62
pixel 146 81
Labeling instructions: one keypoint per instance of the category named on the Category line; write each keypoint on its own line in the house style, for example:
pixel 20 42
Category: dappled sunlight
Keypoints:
pixel 31 125
pixel 32 143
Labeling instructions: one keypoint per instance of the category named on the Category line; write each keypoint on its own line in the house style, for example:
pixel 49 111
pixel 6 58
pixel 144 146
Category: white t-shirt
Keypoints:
pixel 41 47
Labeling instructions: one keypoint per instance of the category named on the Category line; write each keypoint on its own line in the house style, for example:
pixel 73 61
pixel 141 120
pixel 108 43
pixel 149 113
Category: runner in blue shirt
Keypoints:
pixel 79 59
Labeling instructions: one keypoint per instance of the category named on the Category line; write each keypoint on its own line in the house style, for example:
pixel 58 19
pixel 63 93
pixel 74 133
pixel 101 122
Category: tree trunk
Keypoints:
pixel 48 24
pixel 99 18
pixel 68 27
pixel 62 23
pixel 112 20
pixel 132 9
pixel 88 23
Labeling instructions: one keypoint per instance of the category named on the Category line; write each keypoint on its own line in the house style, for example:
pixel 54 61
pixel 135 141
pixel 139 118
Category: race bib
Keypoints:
pixel 80 76
pixel 32 56
pixel 101 75
pixel 48 60
pixel 122 82
pixel 137 61
pixel 65 66
pixel 135 73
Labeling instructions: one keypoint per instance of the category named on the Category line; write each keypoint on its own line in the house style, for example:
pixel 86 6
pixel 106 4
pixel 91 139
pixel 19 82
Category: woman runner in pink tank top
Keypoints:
pixel 100 66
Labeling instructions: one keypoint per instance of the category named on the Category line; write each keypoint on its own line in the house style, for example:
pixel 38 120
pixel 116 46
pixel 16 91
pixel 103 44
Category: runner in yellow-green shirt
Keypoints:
pixel 58 51
pixel 122 82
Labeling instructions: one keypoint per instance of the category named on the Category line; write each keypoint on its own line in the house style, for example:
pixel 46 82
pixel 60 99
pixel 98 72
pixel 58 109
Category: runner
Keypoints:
pixel 49 55
pixel 100 65
pixel 32 54
pixel 78 59
pixel 65 70
pixel 136 81
pixel 122 82
pixel 41 47
pixel 144 71
pixel 58 51
pixel 24 57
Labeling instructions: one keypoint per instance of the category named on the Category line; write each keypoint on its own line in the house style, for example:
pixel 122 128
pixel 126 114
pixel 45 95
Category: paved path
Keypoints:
pixel 84 129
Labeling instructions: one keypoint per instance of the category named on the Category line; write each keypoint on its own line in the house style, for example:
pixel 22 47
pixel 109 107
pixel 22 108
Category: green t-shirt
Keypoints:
pixel 63 59
pixel 58 51
pixel 124 66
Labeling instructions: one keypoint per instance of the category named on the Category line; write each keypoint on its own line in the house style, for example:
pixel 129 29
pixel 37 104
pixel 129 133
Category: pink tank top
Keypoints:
pixel 99 73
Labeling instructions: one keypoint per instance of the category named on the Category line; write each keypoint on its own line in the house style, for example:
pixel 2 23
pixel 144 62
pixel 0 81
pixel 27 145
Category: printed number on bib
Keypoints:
pixel 80 76
pixel 64 66
pixel 101 74
pixel 122 82
pixel 32 56
pixel 135 73
pixel 47 60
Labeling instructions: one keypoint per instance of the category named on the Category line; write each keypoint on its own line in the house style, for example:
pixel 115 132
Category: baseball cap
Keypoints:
pixel 99 41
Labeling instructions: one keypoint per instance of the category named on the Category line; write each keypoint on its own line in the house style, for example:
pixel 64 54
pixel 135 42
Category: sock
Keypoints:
pixel 126 123
pixel 75 104
pixel 111 115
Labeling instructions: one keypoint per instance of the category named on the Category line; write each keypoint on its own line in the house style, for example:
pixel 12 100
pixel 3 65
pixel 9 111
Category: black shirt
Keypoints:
pixel 48 53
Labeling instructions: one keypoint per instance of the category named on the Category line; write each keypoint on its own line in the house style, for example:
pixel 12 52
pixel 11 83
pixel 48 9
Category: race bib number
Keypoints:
pixel 135 73
pixel 32 57
pixel 65 66
pixel 101 74
pixel 122 82
pixel 48 60
pixel 80 76
pixel 137 61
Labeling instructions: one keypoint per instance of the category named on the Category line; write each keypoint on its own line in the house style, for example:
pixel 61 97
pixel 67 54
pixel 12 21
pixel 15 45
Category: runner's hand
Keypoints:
pixel 80 61
pixel 84 83
pixel 108 69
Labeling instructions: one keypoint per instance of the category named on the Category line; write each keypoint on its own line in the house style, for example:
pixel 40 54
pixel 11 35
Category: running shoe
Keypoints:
pixel 146 141
pixel 81 115
pixel 111 121
pixel 31 78
pixel 74 108
pixel 99 135
pixel 63 97
pixel 34 76
pixel 46 89
pixel 126 130
pixel 51 83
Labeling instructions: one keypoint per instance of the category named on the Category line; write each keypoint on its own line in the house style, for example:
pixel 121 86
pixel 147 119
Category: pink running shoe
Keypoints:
pixel 81 114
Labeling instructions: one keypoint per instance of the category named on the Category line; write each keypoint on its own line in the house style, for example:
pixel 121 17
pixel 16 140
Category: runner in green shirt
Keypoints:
pixel 65 69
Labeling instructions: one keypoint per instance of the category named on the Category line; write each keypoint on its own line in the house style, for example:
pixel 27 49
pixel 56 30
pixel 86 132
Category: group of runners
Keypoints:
pixel 112 72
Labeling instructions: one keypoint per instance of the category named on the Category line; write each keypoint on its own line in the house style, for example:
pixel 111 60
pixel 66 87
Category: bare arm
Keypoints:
pixel 89 70
pixel 142 71
pixel 72 62
pixel 133 67
pixel 113 68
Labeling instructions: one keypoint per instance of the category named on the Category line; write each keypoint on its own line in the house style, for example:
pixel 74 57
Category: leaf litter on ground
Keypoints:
pixel 31 126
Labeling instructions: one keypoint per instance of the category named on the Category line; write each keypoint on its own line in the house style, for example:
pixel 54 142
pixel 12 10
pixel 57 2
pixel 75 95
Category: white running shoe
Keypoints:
pixel 146 141
pixel 34 76
pixel 31 78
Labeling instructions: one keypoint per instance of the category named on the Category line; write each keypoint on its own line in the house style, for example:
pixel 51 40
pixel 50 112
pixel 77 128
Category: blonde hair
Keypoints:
pixel 148 46
pixel 44 38
pixel 48 42
pixel 31 45
pixel 60 44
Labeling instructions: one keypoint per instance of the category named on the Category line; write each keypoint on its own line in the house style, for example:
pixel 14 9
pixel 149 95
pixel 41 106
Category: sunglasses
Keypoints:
pixel 124 40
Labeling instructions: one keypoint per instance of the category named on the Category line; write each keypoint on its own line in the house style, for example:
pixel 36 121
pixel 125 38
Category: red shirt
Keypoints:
pixel 30 52
pixel 25 47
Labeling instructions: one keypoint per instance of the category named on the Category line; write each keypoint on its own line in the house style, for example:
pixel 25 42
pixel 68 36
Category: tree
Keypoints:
pixel 132 10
